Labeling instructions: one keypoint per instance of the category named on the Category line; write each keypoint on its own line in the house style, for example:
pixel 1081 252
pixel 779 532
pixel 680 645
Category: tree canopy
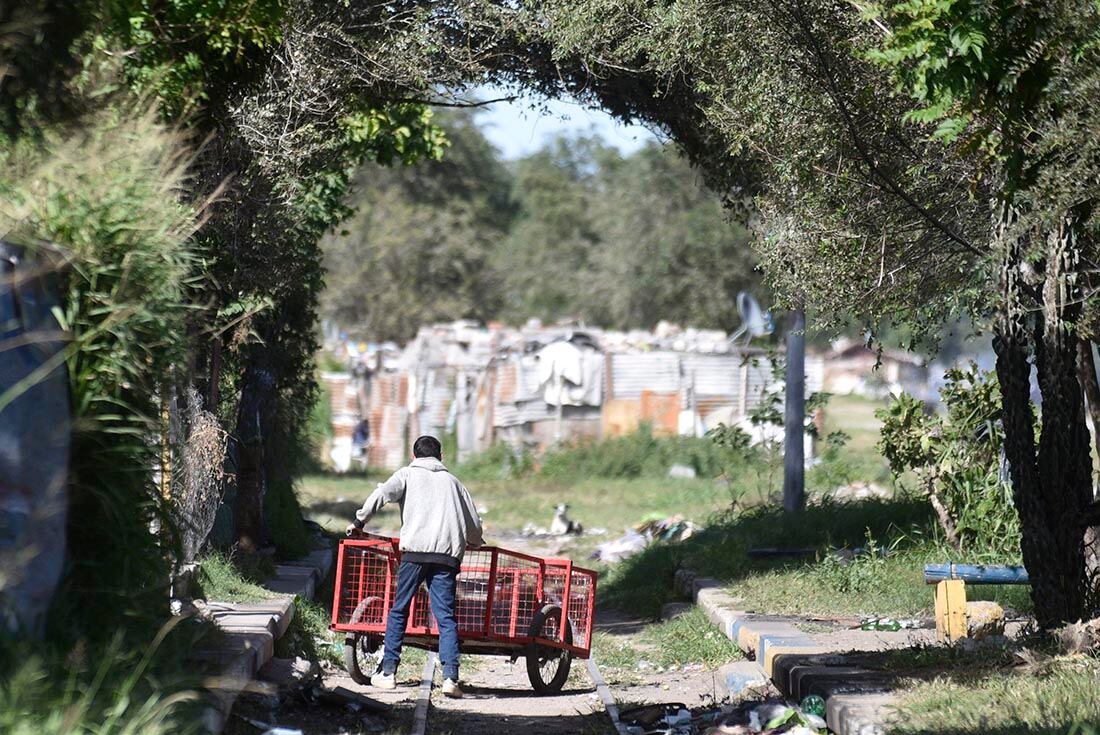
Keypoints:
pixel 574 230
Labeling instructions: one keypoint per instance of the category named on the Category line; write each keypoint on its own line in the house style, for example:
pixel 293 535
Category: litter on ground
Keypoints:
pixel 751 718
pixel 673 529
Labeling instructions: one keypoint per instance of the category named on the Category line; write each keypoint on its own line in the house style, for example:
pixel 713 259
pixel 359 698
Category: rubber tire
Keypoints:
pixel 351 660
pixel 548 612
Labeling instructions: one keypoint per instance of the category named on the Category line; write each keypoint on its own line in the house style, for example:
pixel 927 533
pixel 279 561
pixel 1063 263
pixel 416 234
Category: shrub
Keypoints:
pixel 499 462
pixel 640 454
pixel 956 458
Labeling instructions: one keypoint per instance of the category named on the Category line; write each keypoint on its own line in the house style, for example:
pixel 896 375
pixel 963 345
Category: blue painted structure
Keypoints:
pixel 976 573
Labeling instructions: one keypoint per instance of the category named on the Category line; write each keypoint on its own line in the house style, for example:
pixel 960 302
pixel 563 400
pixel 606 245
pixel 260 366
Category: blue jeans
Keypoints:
pixel 441 580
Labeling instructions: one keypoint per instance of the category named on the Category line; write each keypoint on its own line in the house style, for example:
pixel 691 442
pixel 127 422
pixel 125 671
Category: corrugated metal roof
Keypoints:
pixel 654 371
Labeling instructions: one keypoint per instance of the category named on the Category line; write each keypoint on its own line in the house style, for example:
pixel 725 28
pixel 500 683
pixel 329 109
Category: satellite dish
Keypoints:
pixel 755 322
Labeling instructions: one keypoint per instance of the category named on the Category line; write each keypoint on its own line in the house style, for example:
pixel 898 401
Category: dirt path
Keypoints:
pixel 499 698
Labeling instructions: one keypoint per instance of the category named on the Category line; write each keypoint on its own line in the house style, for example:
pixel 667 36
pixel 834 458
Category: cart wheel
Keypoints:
pixel 547 667
pixel 358 657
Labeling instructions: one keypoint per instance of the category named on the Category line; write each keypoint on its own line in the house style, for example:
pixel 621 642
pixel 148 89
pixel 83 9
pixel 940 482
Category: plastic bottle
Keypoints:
pixel 813 705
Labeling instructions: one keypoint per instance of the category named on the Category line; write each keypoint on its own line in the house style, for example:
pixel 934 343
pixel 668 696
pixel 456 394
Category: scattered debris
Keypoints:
pixel 352 701
pixel 770 717
pixel 665 719
pixel 626 545
pixel 1080 637
pixel 672 529
pixel 562 525
pixel 888 624
pixel 681 472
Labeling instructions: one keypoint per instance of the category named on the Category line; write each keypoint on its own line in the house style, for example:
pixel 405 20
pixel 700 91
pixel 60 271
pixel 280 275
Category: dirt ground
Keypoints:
pixel 499 699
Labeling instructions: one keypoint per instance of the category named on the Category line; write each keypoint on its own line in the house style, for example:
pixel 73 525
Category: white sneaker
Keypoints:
pixel 384 681
pixel 452 689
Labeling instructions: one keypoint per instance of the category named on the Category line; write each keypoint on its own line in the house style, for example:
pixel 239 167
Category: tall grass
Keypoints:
pixel 109 195
pixel 638 454
pixel 116 689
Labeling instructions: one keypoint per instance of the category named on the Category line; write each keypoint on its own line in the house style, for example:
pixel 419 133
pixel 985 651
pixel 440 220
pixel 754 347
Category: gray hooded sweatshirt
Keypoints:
pixel 438 517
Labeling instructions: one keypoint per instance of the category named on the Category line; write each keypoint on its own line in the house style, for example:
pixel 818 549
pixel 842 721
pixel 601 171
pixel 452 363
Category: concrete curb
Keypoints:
pixel 251 629
pixel 857 701
pixel 424 696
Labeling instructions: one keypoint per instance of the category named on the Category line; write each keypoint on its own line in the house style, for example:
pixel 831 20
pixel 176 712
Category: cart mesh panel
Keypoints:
pixel 472 594
pixel 581 590
pixel 366 584
pixel 516 594
pixel 498 593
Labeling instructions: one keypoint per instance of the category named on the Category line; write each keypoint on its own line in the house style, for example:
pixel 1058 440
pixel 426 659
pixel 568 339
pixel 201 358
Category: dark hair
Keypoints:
pixel 427 446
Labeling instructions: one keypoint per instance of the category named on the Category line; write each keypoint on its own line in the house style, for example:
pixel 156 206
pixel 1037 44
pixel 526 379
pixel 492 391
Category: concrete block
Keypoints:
pixel 741 676
pixel 297 586
pixel 699 584
pixel 281 610
pixel 247 620
pixel 291 571
pixel 750 631
pixel 259 644
pixel 717 597
pixel 831 681
pixel 786 668
pixel 230 678
pixel 773 649
pixel 858 714
pixel 320 560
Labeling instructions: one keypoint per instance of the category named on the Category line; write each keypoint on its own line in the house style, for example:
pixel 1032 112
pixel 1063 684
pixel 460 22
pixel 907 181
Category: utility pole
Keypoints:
pixel 794 414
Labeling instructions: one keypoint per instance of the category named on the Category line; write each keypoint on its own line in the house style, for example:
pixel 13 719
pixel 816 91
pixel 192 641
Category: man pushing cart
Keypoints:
pixel 438 521
pixel 484 600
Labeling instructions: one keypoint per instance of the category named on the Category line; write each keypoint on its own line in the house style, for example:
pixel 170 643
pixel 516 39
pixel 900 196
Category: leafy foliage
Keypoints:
pixel 110 197
pixel 956 458
pixel 182 48
pixel 573 230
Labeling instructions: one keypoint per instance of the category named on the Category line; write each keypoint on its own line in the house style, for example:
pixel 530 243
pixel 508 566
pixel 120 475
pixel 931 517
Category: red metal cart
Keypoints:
pixel 507 604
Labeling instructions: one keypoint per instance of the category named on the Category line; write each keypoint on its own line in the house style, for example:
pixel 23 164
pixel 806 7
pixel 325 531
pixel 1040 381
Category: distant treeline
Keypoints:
pixel 574 230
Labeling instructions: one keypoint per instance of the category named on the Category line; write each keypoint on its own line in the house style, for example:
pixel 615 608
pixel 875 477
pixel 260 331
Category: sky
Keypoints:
pixel 522 127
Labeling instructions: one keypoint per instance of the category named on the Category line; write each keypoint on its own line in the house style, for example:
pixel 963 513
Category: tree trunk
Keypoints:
pixel 1052 486
pixel 257 394
pixel 1011 344
pixel 1086 372
pixel 1065 459
pixel 794 415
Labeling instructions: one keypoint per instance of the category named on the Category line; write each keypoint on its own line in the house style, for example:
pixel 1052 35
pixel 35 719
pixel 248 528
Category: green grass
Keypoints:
pixel 812 585
pixel 999 701
pixel 613 504
pixel 221 578
pixel 131 685
pixel 690 639
pixel 309 636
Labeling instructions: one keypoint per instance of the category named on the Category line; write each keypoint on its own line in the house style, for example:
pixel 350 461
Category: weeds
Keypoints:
pixel 113 689
pixel 885 578
pixel 1003 702
pixel 309 636
pixel 232 578
pixel 690 638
